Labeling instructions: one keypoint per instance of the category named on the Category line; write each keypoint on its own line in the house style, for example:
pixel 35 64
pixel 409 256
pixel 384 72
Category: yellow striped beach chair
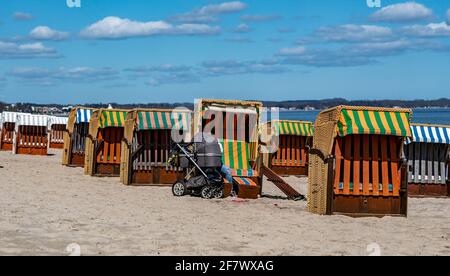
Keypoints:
pixel 103 146
pixel 236 157
pixel 291 158
pixel 357 163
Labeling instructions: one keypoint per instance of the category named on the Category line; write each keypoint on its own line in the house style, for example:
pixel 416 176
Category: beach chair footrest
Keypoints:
pixel 247 188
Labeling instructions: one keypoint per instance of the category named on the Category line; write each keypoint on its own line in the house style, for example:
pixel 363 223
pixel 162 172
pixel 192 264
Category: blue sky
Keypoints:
pixel 176 50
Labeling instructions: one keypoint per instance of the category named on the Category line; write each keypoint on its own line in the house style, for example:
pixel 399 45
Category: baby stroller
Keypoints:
pixel 203 161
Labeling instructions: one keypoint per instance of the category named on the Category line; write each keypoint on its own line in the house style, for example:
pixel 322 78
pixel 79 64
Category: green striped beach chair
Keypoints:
pixel 236 157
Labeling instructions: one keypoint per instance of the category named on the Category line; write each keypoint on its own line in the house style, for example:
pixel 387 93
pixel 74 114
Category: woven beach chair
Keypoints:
pixel 103 144
pixel 147 144
pixel 357 163
pixel 75 136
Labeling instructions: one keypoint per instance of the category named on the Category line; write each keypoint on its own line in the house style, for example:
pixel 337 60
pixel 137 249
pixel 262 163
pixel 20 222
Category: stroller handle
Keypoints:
pixel 192 160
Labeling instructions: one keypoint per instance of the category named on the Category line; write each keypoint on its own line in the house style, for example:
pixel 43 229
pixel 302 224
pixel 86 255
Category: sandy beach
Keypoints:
pixel 44 207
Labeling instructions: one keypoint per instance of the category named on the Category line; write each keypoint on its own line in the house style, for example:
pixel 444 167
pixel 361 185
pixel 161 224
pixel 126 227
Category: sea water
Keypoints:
pixel 440 116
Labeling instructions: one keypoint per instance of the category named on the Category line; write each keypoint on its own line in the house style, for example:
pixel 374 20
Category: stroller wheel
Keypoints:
pixel 179 189
pixel 218 193
pixel 206 192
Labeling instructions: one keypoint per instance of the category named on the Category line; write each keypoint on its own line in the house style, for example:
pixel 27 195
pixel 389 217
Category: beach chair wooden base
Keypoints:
pixel 428 169
pixel 77 160
pixel 364 206
pixel 107 149
pixel 7 137
pixel 290 170
pixel 243 191
pixel 350 166
pixel 32 151
pixel 428 190
pixel 248 192
pixel 56 146
pixel 227 188
pixel 6 147
pixel 247 188
pixel 291 159
pixel 107 170
pixel 156 177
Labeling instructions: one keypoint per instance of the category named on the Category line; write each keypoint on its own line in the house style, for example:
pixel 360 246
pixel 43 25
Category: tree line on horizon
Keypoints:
pixel 294 104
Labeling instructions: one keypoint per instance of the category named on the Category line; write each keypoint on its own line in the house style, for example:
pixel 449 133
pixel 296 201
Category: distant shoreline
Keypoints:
pixel 414 108
pixel 295 105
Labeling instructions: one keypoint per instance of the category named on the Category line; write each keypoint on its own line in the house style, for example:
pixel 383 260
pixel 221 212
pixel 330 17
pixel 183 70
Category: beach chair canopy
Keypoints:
pixel 236 157
pixel 356 120
pixel 32 120
pixel 54 120
pixel 147 120
pixel 79 115
pixel 239 141
pixel 422 133
pixel 84 115
pixel 296 128
pixel 112 118
pixel 10 117
pixel 243 111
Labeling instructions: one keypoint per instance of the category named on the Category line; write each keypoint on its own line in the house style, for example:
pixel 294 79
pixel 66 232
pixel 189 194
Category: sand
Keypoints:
pixel 44 207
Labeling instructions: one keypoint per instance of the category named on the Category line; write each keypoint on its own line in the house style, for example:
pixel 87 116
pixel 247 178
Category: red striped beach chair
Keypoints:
pixel 236 125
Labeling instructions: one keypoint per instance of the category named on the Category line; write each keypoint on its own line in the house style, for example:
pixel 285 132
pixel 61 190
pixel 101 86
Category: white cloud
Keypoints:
pixel 403 12
pixel 354 33
pixel 356 54
pixel 22 16
pixel 239 40
pixel 431 30
pixel 373 49
pixel 242 28
pixel 226 7
pixel 207 14
pixel 173 78
pixel 286 30
pixel 215 68
pixel 2 82
pixel 119 28
pixel 10 50
pixel 29 72
pixel 274 39
pixel 45 33
pixel 292 51
pixel 262 68
pixel 86 74
pixel 159 68
pixel 47 77
pixel 260 18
